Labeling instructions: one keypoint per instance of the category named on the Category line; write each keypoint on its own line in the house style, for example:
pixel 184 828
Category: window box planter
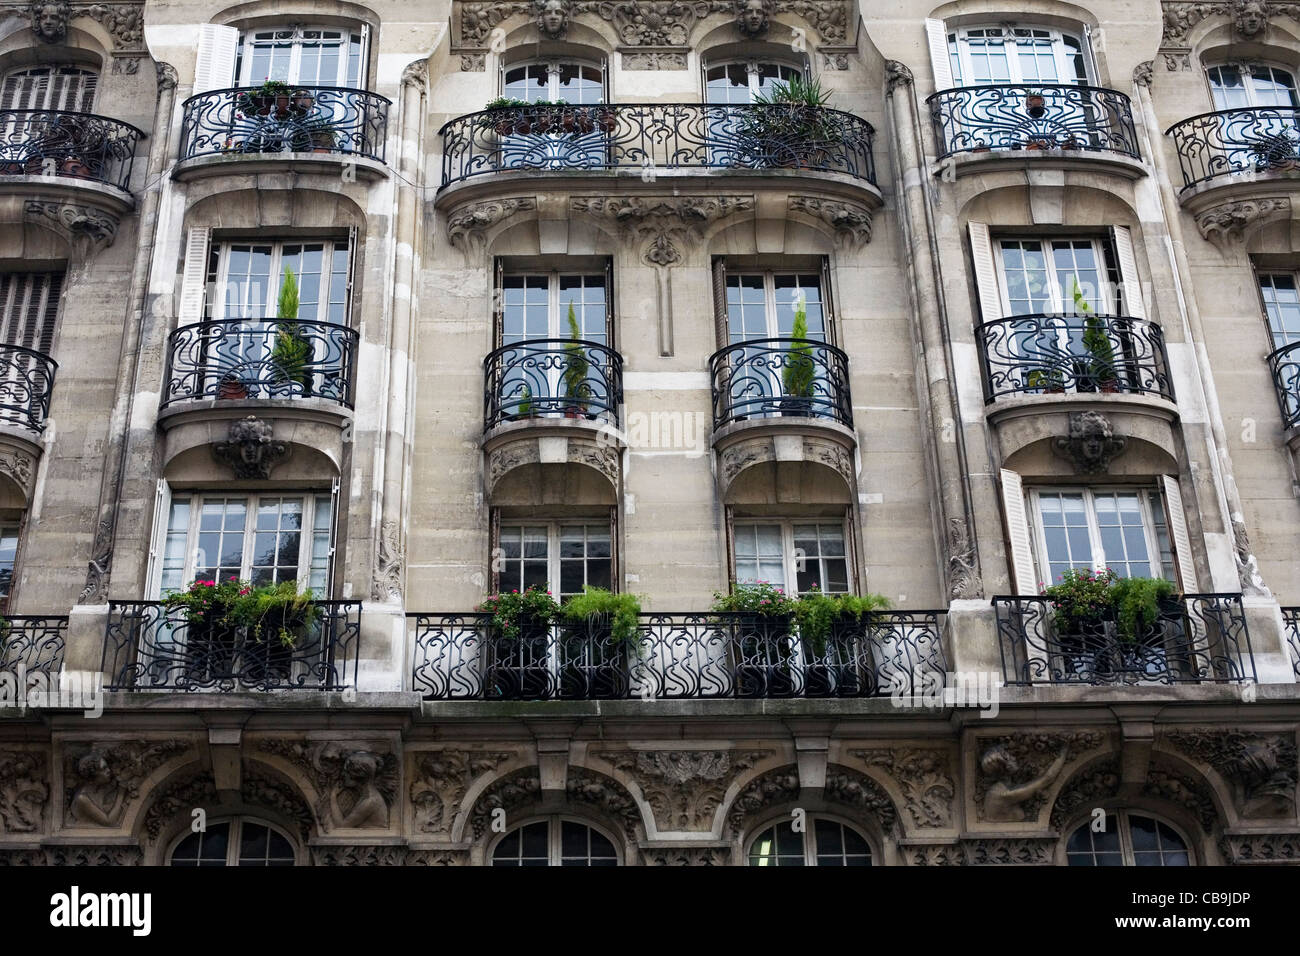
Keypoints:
pixel 518 668
pixel 764 650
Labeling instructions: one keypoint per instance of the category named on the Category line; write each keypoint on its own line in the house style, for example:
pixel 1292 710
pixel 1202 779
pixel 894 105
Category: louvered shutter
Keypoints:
pixel 1132 303
pixel 986 273
pixel 194 277
pixel 214 66
pixel 1020 553
pixel 939 61
pixel 1178 534
pixel 162 502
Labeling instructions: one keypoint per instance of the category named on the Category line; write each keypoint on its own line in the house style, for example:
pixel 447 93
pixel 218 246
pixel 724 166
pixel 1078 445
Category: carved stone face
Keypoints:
pixel 998 764
pixel 359 768
pixel 1250 17
pixel 753 17
pixel 50 21
pixel 553 18
pixel 94 768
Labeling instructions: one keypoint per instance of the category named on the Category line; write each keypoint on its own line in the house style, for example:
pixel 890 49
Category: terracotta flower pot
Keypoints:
pixel 1034 105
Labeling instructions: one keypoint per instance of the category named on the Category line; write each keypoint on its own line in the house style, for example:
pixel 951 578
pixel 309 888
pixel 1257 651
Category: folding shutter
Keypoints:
pixel 352 271
pixel 162 503
pixel 364 69
pixel 828 301
pixel 1182 541
pixel 986 273
pixel 1020 554
pixel 189 308
pixel 938 38
pixel 498 302
pixel 615 581
pixel 494 548
pixel 720 302
pixel 609 304
pixel 334 536
pixel 214 66
pixel 1131 284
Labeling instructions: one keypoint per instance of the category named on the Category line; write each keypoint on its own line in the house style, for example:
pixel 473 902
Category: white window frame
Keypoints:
pixel 1278 337
pixel 311 501
pixel 958 38
pixel 554 845
pixel 809 837
pixel 247 40
pixel 234 838
pixel 1105 294
pixel 553 66
pixel 789 557
pixel 1126 835
pixel 554 529
pixel 215 304
pixel 557 318
pixel 753 68
pixel 771 320
pixel 1149 500
pixel 1247 68
pixel 11 527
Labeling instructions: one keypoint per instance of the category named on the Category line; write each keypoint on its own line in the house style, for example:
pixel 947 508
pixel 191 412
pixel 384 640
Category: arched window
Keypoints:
pixel 1251 85
pixel 573 81
pixel 49 87
pixel 311 56
pixel 554 841
pixel 1129 839
pixel 241 841
pixel 1001 54
pixel 823 842
pixel 741 81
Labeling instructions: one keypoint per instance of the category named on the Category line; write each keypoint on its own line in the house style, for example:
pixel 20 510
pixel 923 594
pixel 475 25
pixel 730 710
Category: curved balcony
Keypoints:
pixel 1236 142
pixel 775 378
pixel 64 143
pixel 26 381
pixel 1284 363
pixel 261 359
pixel 656 136
pixel 1002 117
pixel 552 378
pixel 1051 354
pixel 312 123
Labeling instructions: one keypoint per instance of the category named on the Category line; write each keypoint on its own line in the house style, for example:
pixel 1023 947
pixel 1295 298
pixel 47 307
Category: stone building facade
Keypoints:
pixel 1046 258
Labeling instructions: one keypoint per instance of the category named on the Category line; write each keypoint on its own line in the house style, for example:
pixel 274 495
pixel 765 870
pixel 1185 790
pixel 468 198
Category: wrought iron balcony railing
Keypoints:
pixel 1237 141
pixel 1291 622
pixel 678 656
pixel 552 378
pixel 261 359
pixel 26 382
pixel 1055 116
pixel 32 644
pixel 656 136
pixel 767 378
pixel 310 119
pixel 1284 363
pixel 149 646
pixel 1040 354
pixel 64 143
pixel 1198 638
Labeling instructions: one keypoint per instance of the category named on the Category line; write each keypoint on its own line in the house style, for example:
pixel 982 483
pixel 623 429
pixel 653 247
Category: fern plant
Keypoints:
pixel 818 612
pixel 593 604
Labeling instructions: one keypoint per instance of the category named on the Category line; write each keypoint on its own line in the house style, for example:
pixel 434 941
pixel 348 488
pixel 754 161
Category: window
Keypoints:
pixel 536 306
pixel 1281 307
pixel 823 842
pixel 741 82
pixel 1124 530
pixel 552 80
pixel 987 55
pixel 560 556
pixel 554 842
pixel 762 305
pixel 803 553
pixel 1129 839
pixel 9 530
pixel 49 88
pixel 266 538
pixel 238 842
pixel 245 278
pixel 311 56
pixel 1039 276
pixel 1250 85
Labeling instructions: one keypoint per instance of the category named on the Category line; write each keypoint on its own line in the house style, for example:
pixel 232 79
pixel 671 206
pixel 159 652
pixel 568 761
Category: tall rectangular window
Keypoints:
pixel 563 557
pixel 792 555
pixel 310 56
pixel 762 305
pixel 1124 530
pixel 1039 276
pixel 1281 307
pixel 29 308
pixel 245 278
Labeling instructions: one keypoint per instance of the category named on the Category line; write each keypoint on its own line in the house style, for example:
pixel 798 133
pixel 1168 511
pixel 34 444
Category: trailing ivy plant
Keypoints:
pixel 535 607
pixel 818 612
pixel 621 610
pixel 1137 604
pixel 1087 597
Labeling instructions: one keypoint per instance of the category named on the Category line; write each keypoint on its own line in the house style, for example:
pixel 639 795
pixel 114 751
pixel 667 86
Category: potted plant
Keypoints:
pixel 607 119
pixel 516 649
pixel 1275 151
pixel 277 620
pixel 272 95
pixel 231 387
pixel 760 623
pixel 496 117
pixel 1099 371
pixel 799 375
pixel 524 408
pixel 577 121
pixel 292 353
pixel 1034 104
pixel 323 139
pixel 576 369
pixel 1049 379
pixel 790 125
pixel 207 609
pixel 1101 619
pixel 599 631
pixel 829 664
